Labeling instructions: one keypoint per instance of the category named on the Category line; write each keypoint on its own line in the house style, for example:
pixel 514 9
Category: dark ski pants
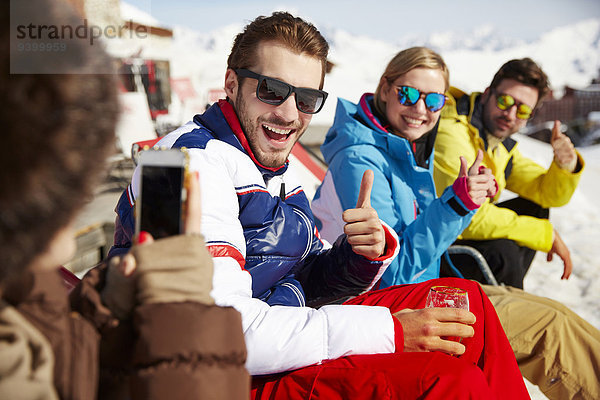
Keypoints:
pixel 508 261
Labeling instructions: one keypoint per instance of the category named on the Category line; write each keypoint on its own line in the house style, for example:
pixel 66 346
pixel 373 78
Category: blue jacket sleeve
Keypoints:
pixel 424 234
pixel 425 239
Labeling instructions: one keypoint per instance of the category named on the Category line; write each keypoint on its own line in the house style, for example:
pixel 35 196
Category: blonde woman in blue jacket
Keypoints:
pixel 392 133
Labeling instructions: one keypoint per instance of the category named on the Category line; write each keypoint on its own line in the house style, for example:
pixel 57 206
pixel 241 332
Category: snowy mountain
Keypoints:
pixel 570 55
pixel 482 38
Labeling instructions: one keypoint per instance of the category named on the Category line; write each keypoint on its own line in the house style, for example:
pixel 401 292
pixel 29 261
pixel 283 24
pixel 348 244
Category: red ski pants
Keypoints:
pixel 487 369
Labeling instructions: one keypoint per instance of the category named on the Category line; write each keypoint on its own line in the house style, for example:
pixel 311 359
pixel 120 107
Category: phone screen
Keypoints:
pixel 160 213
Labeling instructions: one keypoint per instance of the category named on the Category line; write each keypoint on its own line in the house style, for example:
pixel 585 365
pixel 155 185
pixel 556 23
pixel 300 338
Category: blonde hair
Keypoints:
pixel 405 61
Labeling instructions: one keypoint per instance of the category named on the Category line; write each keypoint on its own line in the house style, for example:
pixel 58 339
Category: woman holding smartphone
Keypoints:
pixel 145 328
pixel 392 133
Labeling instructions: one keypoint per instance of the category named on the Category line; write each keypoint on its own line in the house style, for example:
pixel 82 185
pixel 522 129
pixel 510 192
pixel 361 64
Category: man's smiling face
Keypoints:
pixel 273 130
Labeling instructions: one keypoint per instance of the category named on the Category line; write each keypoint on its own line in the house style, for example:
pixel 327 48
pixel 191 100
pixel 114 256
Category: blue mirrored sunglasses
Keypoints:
pixel 408 96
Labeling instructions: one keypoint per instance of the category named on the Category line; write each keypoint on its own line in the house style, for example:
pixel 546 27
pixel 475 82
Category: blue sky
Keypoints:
pixel 385 19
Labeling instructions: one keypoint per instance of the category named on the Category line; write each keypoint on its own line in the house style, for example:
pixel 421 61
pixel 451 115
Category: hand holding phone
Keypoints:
pixel 118 294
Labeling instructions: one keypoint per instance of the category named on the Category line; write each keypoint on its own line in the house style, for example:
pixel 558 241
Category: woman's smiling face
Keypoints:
pixel 412 122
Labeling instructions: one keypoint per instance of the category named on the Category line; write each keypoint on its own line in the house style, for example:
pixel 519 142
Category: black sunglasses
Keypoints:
pixel 275 92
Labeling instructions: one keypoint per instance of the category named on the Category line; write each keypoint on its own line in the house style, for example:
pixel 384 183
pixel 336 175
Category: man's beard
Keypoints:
pixel 252 129
pixel 491 126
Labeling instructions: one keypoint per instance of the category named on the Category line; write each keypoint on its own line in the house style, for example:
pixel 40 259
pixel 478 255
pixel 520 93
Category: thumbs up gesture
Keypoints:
pixel 363 227
pixel 564 151
pixel 479 180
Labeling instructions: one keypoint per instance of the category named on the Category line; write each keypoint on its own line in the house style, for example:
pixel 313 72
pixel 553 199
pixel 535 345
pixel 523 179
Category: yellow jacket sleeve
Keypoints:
pixel 552 187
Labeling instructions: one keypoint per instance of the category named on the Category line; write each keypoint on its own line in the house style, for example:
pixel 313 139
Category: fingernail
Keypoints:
pixel 128 265
pixel 143 237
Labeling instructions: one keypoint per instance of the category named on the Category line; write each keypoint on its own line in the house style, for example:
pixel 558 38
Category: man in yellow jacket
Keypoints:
pixel 508 233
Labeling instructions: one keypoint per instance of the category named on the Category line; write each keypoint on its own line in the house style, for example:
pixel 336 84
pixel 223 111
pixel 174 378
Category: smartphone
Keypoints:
pixel 162 193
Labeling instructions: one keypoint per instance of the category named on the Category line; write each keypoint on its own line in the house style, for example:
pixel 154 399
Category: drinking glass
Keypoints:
pixel 448 297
